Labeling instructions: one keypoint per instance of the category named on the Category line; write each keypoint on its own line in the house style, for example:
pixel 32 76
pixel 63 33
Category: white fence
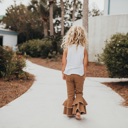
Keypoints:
pixel 102 28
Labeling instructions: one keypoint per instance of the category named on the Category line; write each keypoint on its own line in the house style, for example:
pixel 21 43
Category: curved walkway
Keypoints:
pixel 41 106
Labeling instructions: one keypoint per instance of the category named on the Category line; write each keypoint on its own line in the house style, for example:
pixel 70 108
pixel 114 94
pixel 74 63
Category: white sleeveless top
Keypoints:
pixel 75 58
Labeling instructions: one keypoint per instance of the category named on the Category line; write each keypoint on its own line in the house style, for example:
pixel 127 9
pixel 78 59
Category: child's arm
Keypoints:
pixel 64 62
pixel 85 62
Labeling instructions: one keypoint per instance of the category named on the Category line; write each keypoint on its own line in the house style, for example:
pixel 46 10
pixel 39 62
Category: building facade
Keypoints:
pixel 8 38
pixel 115 7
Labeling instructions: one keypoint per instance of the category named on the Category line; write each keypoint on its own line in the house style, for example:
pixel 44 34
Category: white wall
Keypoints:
pixel 116 7
pixel 9 37
pixel 102 28
pixel 9 40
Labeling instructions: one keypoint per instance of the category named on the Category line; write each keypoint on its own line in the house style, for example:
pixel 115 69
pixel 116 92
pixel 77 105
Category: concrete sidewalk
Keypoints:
pixel 41 106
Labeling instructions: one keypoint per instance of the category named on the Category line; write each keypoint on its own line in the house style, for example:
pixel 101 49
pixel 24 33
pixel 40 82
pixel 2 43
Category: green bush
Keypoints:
pixel 42 48
pixel 36 48
pixel 11 65
pixel 5 57
pixel 115 55
pixel 56 43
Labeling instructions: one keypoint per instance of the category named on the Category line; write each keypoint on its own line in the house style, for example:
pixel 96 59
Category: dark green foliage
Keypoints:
pixel 47 47
pixel 5 57
pixel 115 56
pixel 11 65
pixel 56 41
pixel 27 24
pixel 36 48
pixel 31 47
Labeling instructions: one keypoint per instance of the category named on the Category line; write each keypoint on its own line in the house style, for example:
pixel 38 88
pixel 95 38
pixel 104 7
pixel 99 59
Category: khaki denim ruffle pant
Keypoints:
pixel 75 101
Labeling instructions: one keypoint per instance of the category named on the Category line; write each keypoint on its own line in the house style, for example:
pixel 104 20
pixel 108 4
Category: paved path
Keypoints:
pixel 41 106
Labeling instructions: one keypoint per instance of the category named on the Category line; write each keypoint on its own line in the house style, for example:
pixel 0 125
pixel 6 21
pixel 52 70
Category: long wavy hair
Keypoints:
pixel 75 35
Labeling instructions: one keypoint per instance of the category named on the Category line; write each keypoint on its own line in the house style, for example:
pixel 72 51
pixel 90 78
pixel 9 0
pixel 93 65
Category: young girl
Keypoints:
pixel 74 67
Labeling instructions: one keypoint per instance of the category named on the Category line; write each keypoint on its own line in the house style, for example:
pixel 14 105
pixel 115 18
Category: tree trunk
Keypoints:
pixel 85 15
pixel 62 17
pixel 51 17
pixel 45 29
pixel 74 10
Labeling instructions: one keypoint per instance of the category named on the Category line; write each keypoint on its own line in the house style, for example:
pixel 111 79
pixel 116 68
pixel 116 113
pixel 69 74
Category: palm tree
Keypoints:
pixel 62 17
pixel 74 10
pixel 41 9
pixel 77 8
pixel 44 10
pixel 85 15
pixel 51 2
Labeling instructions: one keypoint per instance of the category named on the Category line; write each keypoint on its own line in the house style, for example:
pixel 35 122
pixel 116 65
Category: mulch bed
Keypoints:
pixel 10 90
pixel 121 88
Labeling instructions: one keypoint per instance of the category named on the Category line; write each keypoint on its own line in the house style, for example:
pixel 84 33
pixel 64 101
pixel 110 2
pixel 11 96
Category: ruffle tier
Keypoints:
pixel 71 107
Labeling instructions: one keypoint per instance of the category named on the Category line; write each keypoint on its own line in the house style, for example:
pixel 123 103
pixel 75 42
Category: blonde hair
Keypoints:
pixel 75 35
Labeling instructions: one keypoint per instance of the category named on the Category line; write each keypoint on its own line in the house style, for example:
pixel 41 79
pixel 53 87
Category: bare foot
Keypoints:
pixel 78 116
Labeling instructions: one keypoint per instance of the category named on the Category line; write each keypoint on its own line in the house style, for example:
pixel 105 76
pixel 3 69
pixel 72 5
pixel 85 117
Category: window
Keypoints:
pixel 1 40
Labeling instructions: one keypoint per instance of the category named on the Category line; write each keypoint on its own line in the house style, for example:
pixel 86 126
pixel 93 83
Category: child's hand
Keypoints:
pixel 63 76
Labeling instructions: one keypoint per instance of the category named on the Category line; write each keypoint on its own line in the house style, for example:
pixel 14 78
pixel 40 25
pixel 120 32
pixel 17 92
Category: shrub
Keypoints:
pixel 42 48
pixel 31 47
pixel 5 57
pixel 36 48
pixel 115 55
pixel 56 43
pixel 11 65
